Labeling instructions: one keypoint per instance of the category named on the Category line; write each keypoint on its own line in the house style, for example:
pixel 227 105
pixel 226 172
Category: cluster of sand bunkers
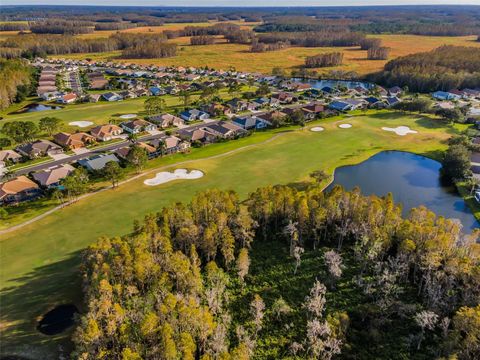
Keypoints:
pixel 399 130
pixel 179 174
pixel 81 124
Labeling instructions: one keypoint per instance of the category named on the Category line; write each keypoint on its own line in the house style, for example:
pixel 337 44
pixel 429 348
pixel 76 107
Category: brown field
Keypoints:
pixel 223 55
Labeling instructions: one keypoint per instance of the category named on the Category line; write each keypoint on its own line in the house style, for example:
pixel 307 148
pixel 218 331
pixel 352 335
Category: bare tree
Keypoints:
pixel 333 260
pixel 426 320
pixel 297 255
pixel 315 301
pixel 257 308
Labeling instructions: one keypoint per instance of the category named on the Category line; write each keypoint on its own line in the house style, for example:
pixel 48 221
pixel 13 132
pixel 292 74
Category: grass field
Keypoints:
pixel 39 261
pixel 239 56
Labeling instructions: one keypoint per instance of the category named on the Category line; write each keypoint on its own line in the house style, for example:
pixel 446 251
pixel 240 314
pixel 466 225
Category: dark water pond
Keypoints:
pixel 319 84
pixel 58 319
pixel 37 107
pixel 412 179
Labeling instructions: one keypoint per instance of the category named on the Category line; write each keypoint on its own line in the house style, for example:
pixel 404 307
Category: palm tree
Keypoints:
pixel 132 137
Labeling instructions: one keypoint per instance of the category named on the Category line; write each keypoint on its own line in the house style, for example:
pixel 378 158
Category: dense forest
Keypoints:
pixel 132 45
pixel 17 80
pixel 289 273
pixel 445 68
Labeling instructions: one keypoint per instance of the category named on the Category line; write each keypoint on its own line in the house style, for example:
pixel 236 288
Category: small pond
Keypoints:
pixel 36 107
pixel 412 179
pixel 319 84
pixel 58 320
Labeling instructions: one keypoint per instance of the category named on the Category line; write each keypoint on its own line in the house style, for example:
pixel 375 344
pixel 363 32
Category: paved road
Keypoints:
pixel 75 158
pixel 112 147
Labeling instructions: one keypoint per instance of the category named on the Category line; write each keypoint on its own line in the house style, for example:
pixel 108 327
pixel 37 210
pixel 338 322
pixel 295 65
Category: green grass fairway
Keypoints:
pixel 39 262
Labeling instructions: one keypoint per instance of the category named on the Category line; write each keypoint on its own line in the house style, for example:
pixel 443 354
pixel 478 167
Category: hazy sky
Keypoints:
pixel 238 3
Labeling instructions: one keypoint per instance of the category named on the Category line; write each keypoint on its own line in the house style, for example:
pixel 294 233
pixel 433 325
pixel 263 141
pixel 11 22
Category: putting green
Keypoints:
pixel 39 261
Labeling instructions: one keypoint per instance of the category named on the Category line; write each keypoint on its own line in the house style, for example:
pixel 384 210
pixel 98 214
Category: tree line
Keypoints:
pixel 445 68
pixel 167 289
pixel 133 45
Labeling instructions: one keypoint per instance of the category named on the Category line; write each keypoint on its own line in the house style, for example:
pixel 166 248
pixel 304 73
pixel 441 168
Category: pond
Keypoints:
pixel 58 320
pixel 35 108
pixel 412 179
pixel 319 84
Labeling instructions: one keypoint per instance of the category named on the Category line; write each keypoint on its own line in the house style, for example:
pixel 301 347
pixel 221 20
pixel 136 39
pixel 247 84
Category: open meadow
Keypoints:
pixel 43 257
pixel 239 56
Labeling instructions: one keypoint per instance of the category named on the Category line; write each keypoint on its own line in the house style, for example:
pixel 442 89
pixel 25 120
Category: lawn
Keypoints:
pixel 238 56
pixel 39 261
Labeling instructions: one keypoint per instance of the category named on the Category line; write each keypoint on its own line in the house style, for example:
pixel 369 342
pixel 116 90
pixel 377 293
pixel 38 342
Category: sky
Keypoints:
pixel 237 3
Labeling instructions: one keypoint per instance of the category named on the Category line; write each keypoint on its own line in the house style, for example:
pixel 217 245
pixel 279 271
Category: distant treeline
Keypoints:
pixel 14 26
pixel 62 27
pixel 425 20
pixel 324 60
pixel 132 45
pixel 444 68
pixel 258 47
pixel 314 39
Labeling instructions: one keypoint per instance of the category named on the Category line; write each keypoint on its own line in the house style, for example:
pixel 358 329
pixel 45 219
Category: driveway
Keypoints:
pixel 59 156
pixel 81 151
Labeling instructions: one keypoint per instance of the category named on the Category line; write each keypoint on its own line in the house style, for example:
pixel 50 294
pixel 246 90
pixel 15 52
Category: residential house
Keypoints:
pixel 216 109
pixel 97 81
pixel 156 91
pixel 97 162
pixel 106 132
pixel 374 102
pixel 137 126
pixel 69 98
pixel 194 114
pixel 39 148
pixel 251 122
pixel 18 190
pixel 224 130
pixel 94 97
pixel 50 178
pixel 340 105
pixel 152 152
pixel 272 116
pixel 111 96
pixel 284 98
pixel 197 134
pixel 9 157
pixel 443 95
pixel 166 120
pixel 73 141
pixel 122 153
pixel 395 91
pixel 392 100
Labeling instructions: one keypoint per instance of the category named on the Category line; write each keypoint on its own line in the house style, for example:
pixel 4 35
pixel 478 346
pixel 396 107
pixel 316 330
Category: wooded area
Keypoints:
pixel 180 285
pixel 445 68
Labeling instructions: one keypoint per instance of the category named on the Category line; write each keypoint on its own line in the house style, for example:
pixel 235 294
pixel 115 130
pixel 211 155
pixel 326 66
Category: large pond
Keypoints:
pixel 412 179
pixel 319 84
pixel 37 107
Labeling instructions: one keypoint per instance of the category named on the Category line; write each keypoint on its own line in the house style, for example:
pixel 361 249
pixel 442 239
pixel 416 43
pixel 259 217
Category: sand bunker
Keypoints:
pixel 81 124
pixel 345 126
pixel 128 116
pixel 317 129
pixel 165 176
pixel 400 130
